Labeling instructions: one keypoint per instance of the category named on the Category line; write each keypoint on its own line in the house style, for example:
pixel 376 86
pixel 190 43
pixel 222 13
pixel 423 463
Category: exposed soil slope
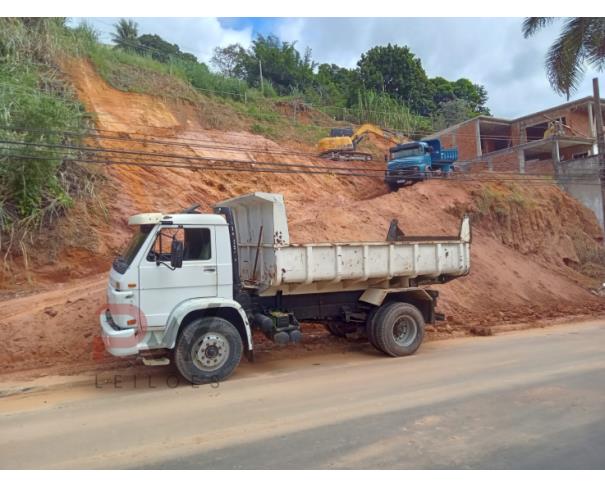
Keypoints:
pixel 525 246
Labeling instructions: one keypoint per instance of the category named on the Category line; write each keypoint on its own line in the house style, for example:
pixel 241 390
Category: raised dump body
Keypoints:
pixel 330 267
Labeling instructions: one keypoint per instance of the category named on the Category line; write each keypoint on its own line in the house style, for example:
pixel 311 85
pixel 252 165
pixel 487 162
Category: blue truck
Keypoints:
pixel 415 161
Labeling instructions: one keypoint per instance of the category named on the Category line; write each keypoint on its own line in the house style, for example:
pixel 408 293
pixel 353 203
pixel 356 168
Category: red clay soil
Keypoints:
pixel 520 253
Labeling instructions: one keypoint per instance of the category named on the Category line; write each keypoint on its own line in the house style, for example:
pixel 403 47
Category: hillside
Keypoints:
pixel 530 243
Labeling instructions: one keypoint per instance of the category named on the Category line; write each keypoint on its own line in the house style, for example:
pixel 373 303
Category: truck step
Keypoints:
pixel 156 361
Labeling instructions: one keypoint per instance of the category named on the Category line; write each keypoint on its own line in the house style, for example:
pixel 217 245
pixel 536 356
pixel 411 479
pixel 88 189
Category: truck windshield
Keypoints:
pixel 415 151
pixel 123 261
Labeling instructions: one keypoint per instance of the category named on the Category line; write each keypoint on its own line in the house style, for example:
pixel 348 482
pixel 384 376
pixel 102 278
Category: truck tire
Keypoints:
pixel 208 350
pixel 335 329
pixel 339 329
pixel 398 329
pixel 371 326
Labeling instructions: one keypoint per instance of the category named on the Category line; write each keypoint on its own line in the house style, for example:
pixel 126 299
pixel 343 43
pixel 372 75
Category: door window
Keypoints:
pixel 196 241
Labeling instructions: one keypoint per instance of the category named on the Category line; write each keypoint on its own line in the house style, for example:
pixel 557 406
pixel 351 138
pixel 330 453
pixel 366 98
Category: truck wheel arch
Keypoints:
pixel 193 309
pixel 421 298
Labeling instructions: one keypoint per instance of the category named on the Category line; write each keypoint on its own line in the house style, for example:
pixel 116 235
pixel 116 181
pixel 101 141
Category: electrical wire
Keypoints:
pixel 535 179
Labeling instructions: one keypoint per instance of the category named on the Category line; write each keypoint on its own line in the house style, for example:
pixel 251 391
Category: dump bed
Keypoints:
pixel 329 267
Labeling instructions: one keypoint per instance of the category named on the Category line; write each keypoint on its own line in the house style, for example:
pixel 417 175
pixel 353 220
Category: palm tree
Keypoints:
pixel 126 35
pixel 581 41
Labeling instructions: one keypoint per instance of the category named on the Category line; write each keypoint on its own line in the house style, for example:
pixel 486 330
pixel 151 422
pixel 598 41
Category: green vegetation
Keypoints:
pixel 392 71
pixel 36 105
pixel 499 199
pixel 389 85
pixel 581 42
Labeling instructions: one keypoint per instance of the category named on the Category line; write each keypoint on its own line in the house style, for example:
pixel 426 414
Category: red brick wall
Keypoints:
pixel 463 137
pixel 539 167
pixel 576 118
pixel 506 162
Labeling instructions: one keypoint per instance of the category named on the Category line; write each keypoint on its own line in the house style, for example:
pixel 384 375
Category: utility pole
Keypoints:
pixel 600 141
pixel 260 69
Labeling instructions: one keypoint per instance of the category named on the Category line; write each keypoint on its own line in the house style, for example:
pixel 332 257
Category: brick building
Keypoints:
pixel 534 143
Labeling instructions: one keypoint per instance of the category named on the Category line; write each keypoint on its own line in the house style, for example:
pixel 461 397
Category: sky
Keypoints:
pixel 488 51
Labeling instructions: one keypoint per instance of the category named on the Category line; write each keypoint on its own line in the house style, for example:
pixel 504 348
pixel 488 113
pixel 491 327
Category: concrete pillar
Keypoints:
pixel 478 138
pixel 490 165
pixel 556 156
pixel 593 129
pixel 521 156
pixel 522 134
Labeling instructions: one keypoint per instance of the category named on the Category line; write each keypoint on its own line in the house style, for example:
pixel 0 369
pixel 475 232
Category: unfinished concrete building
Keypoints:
pixel 560 141
pixel 533 143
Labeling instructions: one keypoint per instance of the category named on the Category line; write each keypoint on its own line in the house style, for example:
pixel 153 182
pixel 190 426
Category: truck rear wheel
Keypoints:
pixel 208 350
pixel 339 329
pixel 371 326
pixel 398 329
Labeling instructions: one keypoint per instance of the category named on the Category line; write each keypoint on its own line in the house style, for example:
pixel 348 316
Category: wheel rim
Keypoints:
pixel 210 351
pixel 405 331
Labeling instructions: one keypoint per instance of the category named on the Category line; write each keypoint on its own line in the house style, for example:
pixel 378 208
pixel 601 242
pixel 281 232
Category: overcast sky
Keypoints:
pixel 491 52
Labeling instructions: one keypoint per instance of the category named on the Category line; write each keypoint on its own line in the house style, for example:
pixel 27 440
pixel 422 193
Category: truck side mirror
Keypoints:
pixel 176 254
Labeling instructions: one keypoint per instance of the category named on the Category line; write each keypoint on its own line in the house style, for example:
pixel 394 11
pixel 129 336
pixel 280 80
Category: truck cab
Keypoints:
pixel 415 161
pixel 175 267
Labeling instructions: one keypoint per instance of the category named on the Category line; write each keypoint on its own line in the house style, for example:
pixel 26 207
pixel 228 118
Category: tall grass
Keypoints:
pixel 381 109
pixel 36 105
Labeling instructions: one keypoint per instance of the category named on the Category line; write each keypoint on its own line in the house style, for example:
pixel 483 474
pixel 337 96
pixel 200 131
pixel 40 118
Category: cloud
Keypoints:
pixel 198 36
pixel 488 51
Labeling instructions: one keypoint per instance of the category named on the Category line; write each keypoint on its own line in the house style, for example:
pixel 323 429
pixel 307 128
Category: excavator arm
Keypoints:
pixel 368 128
pixel 343 147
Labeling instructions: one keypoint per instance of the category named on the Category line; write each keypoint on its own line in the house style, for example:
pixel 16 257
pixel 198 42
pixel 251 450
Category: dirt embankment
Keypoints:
pixel 529 242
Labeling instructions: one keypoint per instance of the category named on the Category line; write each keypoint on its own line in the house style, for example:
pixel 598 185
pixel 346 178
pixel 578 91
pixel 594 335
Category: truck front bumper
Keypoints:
pixel 118 342
pixel 402 176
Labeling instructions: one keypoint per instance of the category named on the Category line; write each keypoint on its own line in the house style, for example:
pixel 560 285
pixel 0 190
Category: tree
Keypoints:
pixel 442 89
pixel 340 86
pixel 126 35
pixel 282 64
pixel 398 72
pixel 452 112
pixel 475 95
pixel 230 61
pixel 581 41
pixel 161 50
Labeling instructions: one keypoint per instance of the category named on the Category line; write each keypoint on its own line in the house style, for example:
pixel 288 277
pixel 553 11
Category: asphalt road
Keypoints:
pixel 531 399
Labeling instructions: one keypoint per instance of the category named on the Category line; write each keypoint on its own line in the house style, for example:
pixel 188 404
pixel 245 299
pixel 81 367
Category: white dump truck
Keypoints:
pixel 192 286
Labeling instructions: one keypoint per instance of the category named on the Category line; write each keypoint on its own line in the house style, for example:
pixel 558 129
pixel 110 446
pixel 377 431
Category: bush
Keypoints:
pixel 37 107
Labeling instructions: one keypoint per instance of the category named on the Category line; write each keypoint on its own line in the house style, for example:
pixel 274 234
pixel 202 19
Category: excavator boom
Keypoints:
pixel 342 143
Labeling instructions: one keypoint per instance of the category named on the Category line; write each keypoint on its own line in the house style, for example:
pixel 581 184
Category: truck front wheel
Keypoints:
pixel 393 187
pixel 208 350
pixel 398 329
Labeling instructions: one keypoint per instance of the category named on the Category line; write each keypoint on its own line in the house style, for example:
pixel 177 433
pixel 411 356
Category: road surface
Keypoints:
pixel 531 399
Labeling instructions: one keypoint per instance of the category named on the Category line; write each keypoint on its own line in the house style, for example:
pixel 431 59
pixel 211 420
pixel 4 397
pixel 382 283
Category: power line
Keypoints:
pixel 153 155
pixel 158 140
pixel 546 180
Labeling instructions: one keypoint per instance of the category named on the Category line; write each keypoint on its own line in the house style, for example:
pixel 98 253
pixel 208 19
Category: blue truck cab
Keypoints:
pixel 415 161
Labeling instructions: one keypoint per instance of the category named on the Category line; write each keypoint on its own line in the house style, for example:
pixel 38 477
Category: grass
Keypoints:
pixel 262 129
pixel 37 184
pixel 499 199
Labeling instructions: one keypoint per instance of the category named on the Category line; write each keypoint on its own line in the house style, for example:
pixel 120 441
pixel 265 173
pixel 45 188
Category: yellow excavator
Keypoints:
pixel 342 143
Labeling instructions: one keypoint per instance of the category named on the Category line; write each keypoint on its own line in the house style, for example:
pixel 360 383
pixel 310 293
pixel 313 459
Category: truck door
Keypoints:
pixel 162 288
